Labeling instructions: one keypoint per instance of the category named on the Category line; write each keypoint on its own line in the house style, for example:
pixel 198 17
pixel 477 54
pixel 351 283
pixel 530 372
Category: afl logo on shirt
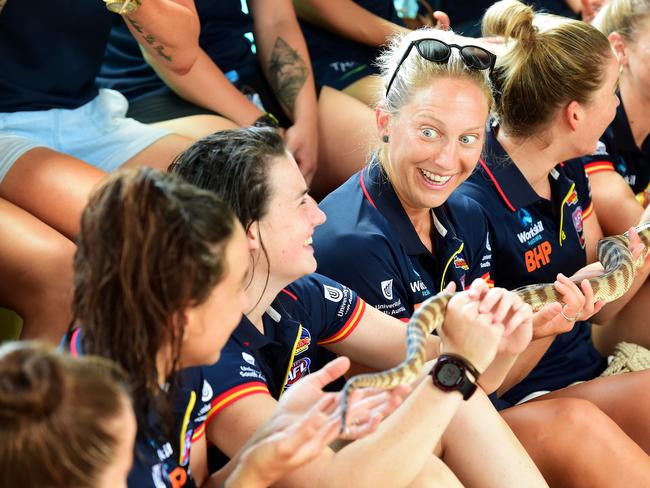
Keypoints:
pixel 387 289
pixel 299 369
pixel 332 294
pixel 206 393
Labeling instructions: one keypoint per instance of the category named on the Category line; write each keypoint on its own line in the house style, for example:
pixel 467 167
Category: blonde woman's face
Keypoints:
pixel 435 141
pixel 638 59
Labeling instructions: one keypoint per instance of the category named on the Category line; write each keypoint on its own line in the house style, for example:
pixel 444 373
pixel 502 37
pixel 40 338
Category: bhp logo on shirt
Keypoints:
pixel 538 256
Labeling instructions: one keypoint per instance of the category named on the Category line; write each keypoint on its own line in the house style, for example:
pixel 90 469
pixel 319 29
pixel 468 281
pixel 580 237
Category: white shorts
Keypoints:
pixel 98 133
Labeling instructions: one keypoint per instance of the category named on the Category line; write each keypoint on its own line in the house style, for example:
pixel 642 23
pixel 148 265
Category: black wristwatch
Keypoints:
pixel 450 374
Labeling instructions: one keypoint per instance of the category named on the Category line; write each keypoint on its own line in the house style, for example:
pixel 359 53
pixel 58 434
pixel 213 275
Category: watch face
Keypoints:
pixel 449 374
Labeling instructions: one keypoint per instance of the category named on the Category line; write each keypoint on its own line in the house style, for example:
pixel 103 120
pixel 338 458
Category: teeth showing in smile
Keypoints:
pixel 434 178
pixel 308 242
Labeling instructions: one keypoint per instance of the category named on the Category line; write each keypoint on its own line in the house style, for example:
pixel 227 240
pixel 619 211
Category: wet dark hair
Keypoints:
pixel 150 247
pixel 55 414
pixel 235 165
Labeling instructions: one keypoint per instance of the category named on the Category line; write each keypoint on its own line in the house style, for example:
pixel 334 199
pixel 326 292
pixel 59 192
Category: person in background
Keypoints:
pixel 619 169
pixel 253 68
pixel 59 135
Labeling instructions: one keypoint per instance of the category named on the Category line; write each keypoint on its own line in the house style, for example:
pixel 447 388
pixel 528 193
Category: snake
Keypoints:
pixel 619 267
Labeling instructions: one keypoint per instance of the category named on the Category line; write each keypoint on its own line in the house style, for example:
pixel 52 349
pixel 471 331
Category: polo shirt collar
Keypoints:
pixel 381 195
pixel 247 334
pixel 510 183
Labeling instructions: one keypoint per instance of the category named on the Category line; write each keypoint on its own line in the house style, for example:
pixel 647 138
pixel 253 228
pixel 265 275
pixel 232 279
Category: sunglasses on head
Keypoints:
pixel 436 51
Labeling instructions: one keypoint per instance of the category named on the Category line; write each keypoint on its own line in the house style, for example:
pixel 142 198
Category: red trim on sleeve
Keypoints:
pixel 290 294
pixel 198 433
pixel 598 166
pixel 404 319
pixel 496 184
pixel 235 394
pixel 363 188
pixel 349 326
pixel 486 277
pixel 586 213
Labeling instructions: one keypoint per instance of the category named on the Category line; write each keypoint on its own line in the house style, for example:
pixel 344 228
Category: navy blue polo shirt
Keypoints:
pixel 369 243
pixel 534 239
pixel 159 462
pixel 313 311
pixel 617 151
pixel 226 36
pixel 50 53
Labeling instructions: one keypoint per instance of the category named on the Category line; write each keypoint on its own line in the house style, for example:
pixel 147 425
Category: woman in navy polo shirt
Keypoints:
pixel 392 235
pixel 620 168
pixel 539 211
pixel 164 293
pixel 296 311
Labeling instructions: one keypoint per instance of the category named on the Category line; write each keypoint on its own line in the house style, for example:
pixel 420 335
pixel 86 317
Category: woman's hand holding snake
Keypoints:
pixel 469 332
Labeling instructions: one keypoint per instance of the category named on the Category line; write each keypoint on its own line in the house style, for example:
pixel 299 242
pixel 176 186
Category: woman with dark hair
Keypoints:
pixel 295 313
pixel 159 273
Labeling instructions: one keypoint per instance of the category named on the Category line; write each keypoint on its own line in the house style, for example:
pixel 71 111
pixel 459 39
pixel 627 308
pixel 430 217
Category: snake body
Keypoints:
pixel 613 254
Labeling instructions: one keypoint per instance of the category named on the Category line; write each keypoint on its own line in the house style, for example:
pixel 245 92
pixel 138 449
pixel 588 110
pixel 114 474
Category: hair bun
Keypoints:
pixel 511 19
pixel 31 383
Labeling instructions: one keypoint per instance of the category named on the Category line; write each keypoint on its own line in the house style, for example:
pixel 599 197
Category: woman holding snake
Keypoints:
pixel 392 235
pixel 295 311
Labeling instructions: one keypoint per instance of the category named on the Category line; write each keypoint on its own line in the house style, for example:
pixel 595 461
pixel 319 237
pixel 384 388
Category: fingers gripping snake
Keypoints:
pixel 613 254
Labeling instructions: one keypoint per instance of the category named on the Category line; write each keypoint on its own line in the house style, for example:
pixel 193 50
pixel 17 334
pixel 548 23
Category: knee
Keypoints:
pixel 573 416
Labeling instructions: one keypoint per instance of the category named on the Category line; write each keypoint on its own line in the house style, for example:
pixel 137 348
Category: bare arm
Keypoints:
pixel 283 55
pixel 205 85
pixel 614 202
pixel 348 19
pixel 155 25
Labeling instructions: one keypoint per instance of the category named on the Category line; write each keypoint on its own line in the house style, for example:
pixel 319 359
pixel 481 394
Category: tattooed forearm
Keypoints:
pixel 148 38
pixel 288 73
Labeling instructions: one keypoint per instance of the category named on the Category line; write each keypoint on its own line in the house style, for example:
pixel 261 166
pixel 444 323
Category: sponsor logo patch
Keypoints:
pixel 303 342
pixel 460 263
pixel 576 216
pixel 248 358
pixel 206 392
pixel 299 369
pixel 332 294
pixel 387 289
pixel 538 256
pixel 572 199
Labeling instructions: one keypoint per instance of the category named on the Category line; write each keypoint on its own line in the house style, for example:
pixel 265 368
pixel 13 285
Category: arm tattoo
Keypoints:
pixel 288 73
pixel 148 38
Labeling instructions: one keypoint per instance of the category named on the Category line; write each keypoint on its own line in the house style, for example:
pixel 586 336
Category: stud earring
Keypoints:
pixel 385 139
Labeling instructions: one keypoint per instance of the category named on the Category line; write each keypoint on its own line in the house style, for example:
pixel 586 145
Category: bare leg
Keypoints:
pixel 366 90
pixel 346 127
pixel 629 325
pixel 479 447
pixel 52 186
pixel 160 153
pixel 624 398
pixel 436 474
pixel 574 444
pixel 36 264
pixel 197 126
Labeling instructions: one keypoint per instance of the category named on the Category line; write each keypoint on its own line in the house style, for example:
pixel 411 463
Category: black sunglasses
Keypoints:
pixel 436 51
